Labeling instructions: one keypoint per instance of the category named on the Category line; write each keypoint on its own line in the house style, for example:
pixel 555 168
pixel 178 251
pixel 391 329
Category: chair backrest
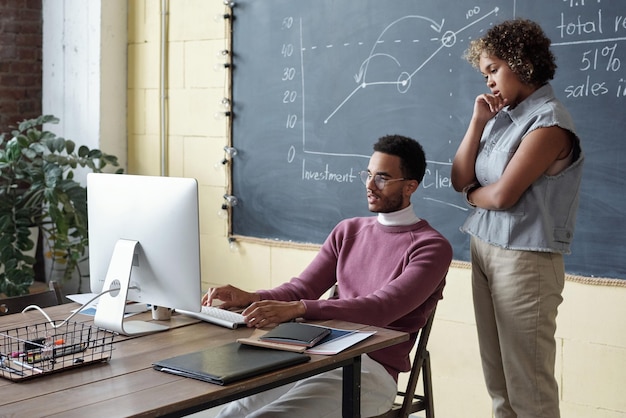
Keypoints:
pixel 412 402
pixel 16 304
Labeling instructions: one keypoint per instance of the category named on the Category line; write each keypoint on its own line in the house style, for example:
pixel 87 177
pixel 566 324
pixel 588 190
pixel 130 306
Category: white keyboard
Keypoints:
pixel 217 316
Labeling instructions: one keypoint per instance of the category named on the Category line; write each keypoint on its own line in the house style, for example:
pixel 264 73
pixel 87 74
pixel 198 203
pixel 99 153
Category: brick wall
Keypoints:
pixel 20 61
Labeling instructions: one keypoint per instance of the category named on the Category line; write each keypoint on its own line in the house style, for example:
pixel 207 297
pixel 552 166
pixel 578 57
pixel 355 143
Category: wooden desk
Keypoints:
pixel 128 385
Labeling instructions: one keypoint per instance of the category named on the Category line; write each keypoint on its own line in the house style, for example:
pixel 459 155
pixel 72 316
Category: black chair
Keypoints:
pixel 16 304
pixel 412 402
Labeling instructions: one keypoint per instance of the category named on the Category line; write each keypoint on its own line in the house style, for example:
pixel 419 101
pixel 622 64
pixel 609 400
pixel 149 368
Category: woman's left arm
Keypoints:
pixel 536 153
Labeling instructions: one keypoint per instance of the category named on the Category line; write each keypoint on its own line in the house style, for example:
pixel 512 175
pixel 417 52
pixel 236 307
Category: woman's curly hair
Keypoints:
pixel 522 44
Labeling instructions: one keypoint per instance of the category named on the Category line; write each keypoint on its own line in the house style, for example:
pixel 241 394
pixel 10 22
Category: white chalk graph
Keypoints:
pixel 404 78
pixel 387 66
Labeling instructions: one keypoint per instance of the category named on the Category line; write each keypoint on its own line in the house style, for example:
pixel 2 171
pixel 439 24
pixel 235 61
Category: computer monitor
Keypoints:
pixel 144 246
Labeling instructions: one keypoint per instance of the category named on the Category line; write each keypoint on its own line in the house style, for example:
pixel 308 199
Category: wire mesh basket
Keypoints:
pixel 37 350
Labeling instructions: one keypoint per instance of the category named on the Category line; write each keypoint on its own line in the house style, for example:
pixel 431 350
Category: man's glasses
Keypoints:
pixel 379 180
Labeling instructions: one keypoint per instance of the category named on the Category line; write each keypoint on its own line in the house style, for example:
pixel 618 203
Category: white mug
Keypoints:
pixel 161 313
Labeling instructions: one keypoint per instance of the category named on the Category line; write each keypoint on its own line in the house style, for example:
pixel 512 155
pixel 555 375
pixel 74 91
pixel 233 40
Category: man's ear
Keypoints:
pixel 412 186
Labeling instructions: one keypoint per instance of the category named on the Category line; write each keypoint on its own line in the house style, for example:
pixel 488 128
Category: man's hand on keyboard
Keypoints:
pixel 231 296
pixel 272 312
pixel 259 313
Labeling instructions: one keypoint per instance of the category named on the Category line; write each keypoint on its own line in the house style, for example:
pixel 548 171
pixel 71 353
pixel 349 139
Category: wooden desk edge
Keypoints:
pixel 199 398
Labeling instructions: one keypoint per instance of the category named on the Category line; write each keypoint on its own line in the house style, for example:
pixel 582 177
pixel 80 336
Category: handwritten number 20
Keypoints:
pixel 290 96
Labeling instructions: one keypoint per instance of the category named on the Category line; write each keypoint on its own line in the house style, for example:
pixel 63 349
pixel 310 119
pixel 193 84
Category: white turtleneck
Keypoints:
pixel 402 217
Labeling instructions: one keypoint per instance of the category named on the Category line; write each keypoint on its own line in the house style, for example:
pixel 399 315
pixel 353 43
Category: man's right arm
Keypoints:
pixel 232 297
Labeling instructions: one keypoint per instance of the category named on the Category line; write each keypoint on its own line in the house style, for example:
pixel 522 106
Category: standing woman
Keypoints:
pixel 519 165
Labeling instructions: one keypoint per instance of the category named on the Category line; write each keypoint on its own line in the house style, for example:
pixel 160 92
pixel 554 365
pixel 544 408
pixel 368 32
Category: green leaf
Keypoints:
pixel 110 159
pixel 59 144
pixel 46 136
pixel 27 124
pixel 33 135
pixel 5 222
pixel 29 153
pixel 38 147
pixel 70 146
pixel 48 119
pixel 83 151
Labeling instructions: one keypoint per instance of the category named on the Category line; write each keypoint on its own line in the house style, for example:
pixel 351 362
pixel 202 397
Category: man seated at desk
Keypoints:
pixel 390 272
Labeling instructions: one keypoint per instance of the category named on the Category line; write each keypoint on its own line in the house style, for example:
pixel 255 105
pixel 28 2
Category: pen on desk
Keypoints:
pixel 9 369
pixel 27 366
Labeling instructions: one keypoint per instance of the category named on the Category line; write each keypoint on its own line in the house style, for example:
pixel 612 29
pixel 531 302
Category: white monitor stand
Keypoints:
pixel 111 306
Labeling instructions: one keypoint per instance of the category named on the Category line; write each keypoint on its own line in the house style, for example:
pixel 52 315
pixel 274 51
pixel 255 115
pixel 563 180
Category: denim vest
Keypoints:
pixel 543 219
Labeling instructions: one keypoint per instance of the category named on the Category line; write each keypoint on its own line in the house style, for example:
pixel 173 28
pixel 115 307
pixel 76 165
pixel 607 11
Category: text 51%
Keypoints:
pixel 590 58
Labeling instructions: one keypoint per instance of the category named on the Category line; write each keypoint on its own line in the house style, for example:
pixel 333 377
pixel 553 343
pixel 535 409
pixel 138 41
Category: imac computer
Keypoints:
pixel 144 246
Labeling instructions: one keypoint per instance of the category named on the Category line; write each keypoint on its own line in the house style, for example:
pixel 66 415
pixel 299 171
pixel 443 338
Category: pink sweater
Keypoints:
pixel 387 276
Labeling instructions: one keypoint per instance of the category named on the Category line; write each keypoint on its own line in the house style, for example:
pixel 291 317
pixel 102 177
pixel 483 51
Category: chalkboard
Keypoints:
pixel 316 82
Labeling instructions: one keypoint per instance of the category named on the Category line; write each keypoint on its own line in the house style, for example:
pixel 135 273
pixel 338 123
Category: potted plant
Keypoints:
pixel 38 191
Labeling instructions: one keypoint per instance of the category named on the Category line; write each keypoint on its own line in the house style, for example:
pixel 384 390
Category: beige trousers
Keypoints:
pixel 516 298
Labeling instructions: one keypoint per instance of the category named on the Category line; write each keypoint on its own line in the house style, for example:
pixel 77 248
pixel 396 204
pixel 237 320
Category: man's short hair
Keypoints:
pixel 411 153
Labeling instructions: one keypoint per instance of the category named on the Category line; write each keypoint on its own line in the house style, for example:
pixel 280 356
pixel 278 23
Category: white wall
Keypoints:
pixel 84 71
pixel 84 81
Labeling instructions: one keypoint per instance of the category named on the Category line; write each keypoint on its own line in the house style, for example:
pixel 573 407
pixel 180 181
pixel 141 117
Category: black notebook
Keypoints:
pixel 228 363
pixel 296 333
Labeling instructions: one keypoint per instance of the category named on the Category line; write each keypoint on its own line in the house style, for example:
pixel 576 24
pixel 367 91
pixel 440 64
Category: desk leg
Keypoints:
pixel 351 406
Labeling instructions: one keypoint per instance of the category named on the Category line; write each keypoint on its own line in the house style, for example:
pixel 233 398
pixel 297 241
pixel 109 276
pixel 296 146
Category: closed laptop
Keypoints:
pixel 228 363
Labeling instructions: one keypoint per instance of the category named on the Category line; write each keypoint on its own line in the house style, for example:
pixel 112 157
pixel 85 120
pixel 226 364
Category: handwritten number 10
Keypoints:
pixel 291 121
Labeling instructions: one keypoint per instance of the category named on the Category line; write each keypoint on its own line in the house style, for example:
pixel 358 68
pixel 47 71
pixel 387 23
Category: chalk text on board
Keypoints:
pixel 579 27
pixel 586 89
pixel 327 175
pixel 436 179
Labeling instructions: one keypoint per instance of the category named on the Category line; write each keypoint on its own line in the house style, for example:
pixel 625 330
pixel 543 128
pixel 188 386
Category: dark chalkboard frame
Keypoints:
pixel 316 82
